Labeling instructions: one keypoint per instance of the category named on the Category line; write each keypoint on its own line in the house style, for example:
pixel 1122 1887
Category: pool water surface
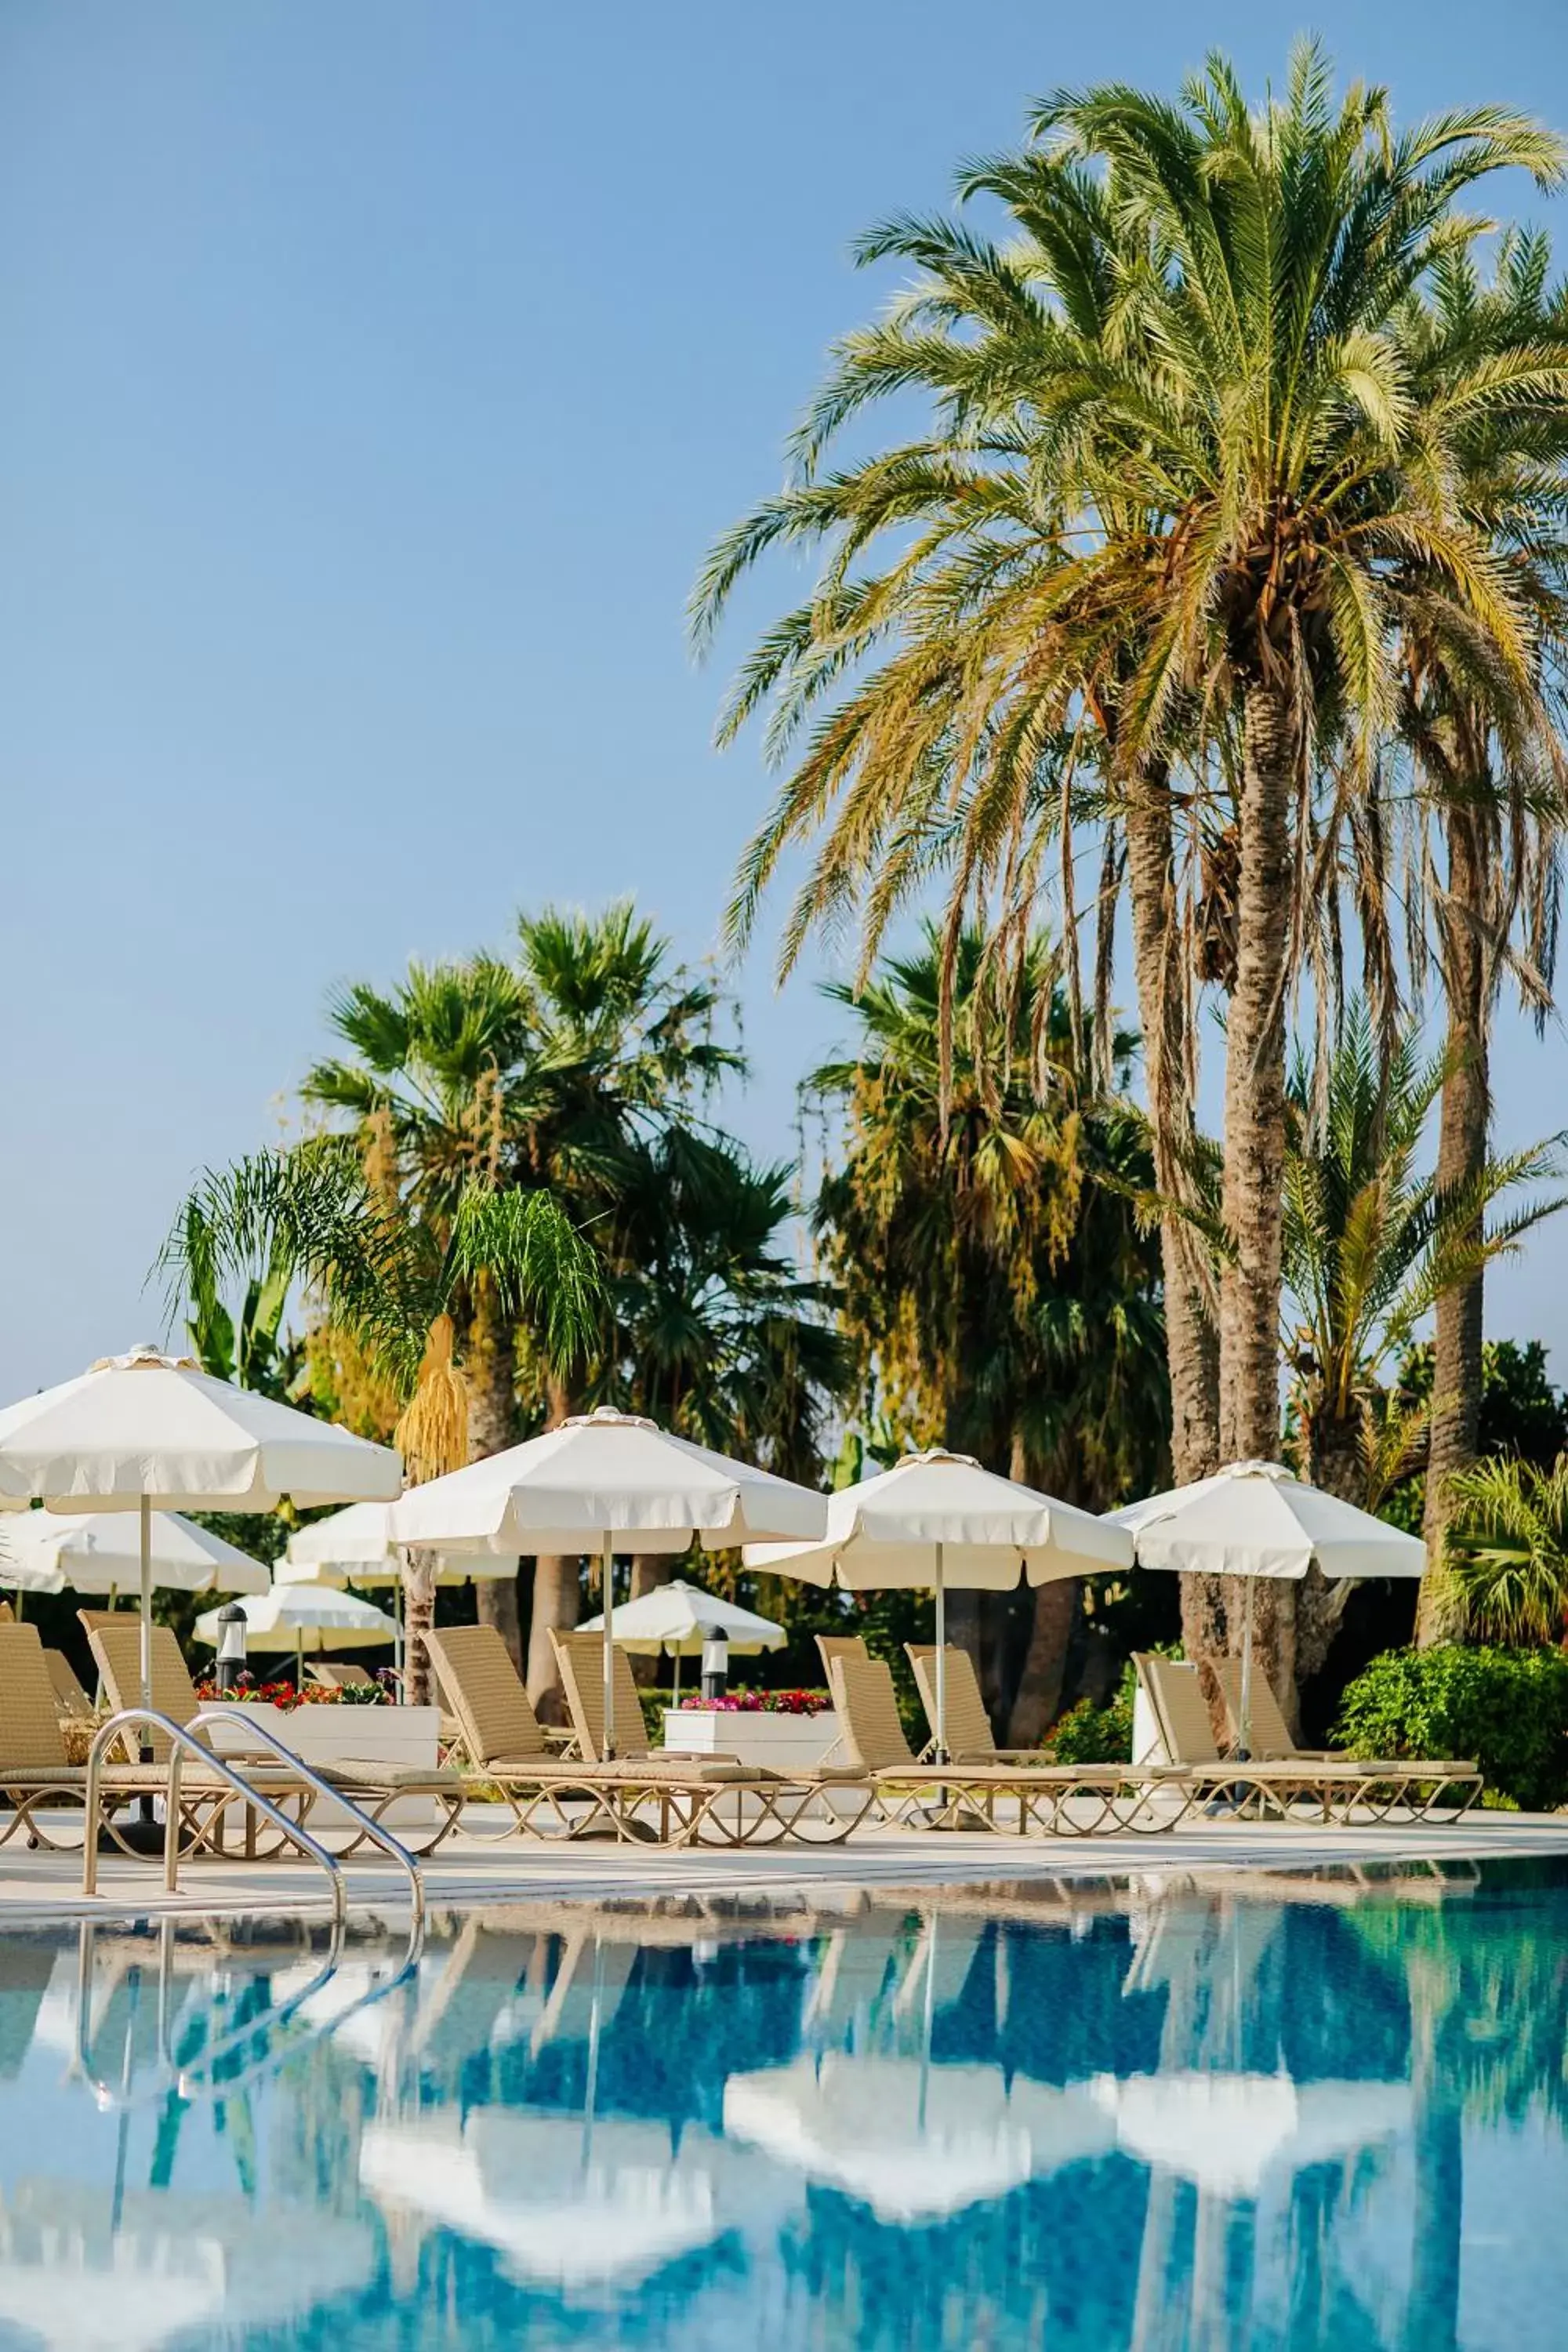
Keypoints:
pixel 1289 2115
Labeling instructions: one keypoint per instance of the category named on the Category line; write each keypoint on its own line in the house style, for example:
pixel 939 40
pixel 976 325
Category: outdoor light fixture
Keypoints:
pixel 715 1662
pixel 231 1646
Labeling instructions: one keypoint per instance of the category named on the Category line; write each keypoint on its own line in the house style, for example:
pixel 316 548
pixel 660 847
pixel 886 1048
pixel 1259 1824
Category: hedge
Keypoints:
pixel 1507 1708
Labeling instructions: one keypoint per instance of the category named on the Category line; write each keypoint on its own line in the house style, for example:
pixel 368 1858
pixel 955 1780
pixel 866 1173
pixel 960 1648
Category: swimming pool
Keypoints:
pixel 1284 2113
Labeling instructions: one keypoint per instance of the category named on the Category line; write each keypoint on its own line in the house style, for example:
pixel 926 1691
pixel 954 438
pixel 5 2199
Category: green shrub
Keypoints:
pixel 1507 1708
pixel 1087 1734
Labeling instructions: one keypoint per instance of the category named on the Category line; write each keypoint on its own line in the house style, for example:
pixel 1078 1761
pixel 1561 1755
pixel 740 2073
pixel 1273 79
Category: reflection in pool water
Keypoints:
pixel 1276 2113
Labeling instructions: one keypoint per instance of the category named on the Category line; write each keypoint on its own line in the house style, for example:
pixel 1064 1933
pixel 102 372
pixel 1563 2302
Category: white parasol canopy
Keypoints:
pixel 1254 1519
pixel 938 1519
pixel 602 1481
pixel 81 2270
pixel 913 2141
pixel 1230 2133
pixel 154 1427
pixel 673 1616
pixel 567 2201
pixel 100 1552
pixel 308 1619
pixel 151 1432
pixel 356 1546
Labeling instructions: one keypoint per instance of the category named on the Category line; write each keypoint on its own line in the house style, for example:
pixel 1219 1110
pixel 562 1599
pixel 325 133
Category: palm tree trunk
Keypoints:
pixel 418 1616
pixel 1039 1694
pixel 1460 1319
pixel 489 1362
pixel 1191 1341
pixel 1335 1464
pixel 1255 1130
pixel 556 1589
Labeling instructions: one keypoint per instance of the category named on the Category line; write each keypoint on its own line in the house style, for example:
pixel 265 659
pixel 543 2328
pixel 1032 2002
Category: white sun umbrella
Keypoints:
pixel 148 1431
pixel 676 1617
pixel 938 1519
pixel 308 1619
pixel 356 1546
pixel 84 2269
pixel 600 1480
pixel 100 1552
pixel 1231 2132
pixel 563 2201
pixel 1254 1519
pixel 915 2143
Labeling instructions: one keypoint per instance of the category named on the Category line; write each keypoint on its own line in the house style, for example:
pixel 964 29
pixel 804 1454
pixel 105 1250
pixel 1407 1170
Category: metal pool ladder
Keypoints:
pixel 184 1740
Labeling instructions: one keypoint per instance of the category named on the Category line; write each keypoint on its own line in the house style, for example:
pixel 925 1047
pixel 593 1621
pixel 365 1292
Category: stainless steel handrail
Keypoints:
pixel 182 1738
pixel 378 1834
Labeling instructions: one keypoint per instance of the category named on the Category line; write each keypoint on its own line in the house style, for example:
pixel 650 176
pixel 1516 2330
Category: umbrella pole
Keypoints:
pixel 298 1657
pixel 675 1695
pixel 607 1582
pixel 146 1612
pixel 1244 1744
pixel 941 1663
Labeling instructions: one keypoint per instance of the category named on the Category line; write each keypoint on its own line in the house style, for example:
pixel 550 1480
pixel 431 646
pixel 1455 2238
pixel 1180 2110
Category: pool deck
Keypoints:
pixel 468 1873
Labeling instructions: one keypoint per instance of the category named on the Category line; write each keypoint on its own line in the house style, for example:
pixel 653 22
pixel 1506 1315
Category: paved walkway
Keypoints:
pixel 467 1873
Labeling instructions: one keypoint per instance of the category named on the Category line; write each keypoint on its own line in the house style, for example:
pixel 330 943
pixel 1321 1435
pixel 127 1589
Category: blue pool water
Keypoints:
pixel 1282 2116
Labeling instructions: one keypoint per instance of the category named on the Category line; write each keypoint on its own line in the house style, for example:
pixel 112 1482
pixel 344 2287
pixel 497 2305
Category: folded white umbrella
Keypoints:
pixel 100 1552
pixel 600 1482
pixel 147 1432
pixel 1254 1519
pixel 308 1619
pixel 938 1519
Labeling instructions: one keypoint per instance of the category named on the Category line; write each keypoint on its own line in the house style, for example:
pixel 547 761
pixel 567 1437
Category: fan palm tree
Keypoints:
pixel 1198 499
pixel 1371 1244
pixel 997 1290
pixel 1508 1549
pixel 356 1233
pixel 1492 775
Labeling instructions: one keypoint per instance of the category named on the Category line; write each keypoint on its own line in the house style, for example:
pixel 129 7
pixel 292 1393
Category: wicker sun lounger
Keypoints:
pixel 69 1696
pixel 1269 1734
pixel 43 1793
pixel 700 1800
pixel 1069 1800
pixel 1329 1790
pixel 374 1787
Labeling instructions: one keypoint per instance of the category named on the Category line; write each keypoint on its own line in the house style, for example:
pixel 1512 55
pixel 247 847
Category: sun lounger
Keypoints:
pixel 969 1735
pixel 334 1673
pixel 1331 1790
pixel 373 1786
pixel 760 1806
pixel 43 1791
pixel 506 1748
pixel 1070 1800
pixel 73 1701
pixel 1269 1738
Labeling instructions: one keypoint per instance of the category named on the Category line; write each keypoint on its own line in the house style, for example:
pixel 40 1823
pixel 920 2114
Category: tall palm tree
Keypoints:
pixel 622 1044
pixel 1199 500
pixel 353 1233
pixel 998 1292
pixel 1373 1243
pixel 1492 778
pixel 424 1079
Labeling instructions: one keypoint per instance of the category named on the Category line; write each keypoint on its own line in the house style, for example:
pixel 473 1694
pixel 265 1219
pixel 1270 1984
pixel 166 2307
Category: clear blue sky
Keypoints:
pixel 375 374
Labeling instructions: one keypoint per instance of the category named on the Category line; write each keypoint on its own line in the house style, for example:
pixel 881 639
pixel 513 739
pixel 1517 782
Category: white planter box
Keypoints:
pixel 349 1735
pixel 780 1743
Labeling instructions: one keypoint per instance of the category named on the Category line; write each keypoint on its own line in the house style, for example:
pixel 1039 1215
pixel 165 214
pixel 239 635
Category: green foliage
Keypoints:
pixel 1507 1708
pixel 1522 1415
pixel 1087 1734
pixel 1370 1242
pixel 998 1287
pixel 1508 1547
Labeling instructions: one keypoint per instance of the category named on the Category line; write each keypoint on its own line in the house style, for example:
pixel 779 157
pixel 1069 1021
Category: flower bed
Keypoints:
pixel 763 1701
pixel 370 1693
